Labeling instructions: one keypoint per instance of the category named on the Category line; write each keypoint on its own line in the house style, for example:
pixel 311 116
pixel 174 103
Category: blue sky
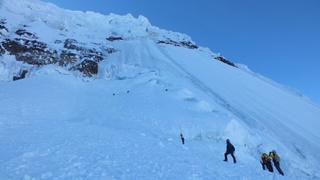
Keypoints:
pixel 279 39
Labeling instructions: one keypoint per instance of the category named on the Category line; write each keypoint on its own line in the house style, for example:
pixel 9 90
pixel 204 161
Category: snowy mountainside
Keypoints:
pixel 75 42
pixel 90 96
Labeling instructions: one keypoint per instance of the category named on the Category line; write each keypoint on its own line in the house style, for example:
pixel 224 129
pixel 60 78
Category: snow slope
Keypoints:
pixel 124 123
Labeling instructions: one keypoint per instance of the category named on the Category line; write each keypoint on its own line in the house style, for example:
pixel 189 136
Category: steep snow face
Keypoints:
pixel 143 87
pixel 78 41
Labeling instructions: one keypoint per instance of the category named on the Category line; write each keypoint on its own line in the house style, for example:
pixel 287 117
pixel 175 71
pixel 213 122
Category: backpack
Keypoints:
pixel 232 148
pixel 275 156
pixel 265 158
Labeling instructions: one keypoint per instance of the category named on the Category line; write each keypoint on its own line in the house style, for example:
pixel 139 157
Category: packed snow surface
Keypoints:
pixel 124 123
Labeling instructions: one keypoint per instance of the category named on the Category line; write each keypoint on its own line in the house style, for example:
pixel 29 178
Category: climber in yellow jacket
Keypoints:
pixel 266 162
pixel 276 161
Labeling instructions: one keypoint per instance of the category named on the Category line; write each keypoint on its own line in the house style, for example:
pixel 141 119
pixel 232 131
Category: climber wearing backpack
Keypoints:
pixel 266 162
pixel 230 150
pixel 276 161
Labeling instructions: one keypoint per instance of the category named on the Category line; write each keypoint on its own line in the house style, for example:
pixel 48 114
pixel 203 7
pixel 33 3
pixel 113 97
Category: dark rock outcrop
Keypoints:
pixel 2 50
pixel 30 51
pixel 71 44
pixel 92 54
pixel 57 41
pixel 67 58
pixel 2 25
pixel 87 67
pixel 114 38
pixel 224 60
pixel 85 53
pixel 21 75
pixel 186 44
pixel 24 33
pixel 189 45
pixel 111 50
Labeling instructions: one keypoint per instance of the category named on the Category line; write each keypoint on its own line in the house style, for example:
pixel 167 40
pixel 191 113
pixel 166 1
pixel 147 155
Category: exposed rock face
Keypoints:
pixel 111 50
pixel 2 29
pixel 67 58
pixel 2 26
pixel 224 60
pixel 71 44
pixel 186 44
pixel 21 75
pixel 84 53
pixel 27 48
pixel 24 33
pixel 2 51
pixel 87 67
pixel 30 51
pixel 114 38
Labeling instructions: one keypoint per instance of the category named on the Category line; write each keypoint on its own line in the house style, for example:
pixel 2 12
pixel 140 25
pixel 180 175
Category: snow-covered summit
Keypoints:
pixel 84 23
pixel 89 96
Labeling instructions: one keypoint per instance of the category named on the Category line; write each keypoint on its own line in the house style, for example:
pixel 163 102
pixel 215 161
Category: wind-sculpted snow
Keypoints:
pixel 143 86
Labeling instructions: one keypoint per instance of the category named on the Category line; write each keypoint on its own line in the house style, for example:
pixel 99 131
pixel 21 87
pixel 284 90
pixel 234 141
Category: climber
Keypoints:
pixel 266 161
pixel 230 150
pixel 276 161
pixel 182 138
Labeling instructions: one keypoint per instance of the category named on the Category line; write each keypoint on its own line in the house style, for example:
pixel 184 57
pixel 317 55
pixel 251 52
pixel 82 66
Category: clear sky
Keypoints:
pixel 279 39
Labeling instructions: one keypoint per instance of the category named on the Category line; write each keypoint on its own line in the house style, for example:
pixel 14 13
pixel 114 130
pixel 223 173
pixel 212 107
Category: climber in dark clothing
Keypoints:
pixel 276 161
pixel 266 162
pixel 182 138
pixel 230 150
